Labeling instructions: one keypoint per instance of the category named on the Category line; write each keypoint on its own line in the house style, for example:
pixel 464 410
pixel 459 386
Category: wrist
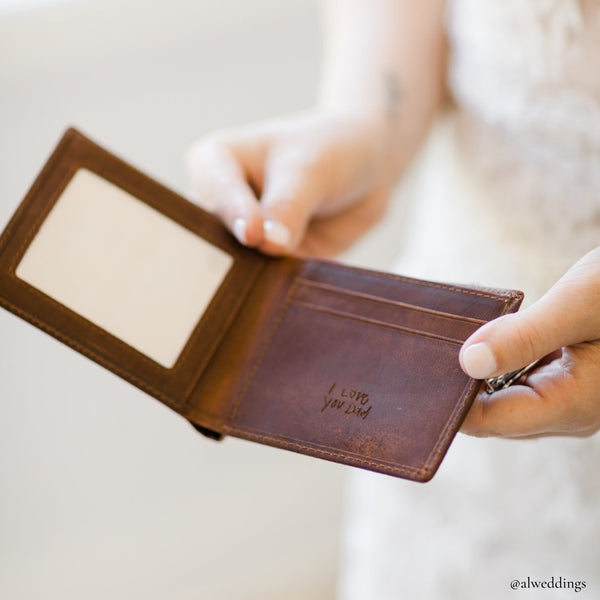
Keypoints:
pixel 376 133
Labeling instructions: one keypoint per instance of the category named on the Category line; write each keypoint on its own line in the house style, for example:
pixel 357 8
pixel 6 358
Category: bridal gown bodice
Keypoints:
pixel 506 193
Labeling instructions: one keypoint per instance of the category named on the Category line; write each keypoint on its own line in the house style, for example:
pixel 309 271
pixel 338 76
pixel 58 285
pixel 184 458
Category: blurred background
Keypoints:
pixel 105 493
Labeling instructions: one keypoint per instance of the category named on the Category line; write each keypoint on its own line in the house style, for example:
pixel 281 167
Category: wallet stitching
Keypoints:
pixel 233 314
pixel 495 295
pixel 129 349
pixel 507 299
pixel 437 448
pixel 440 445
pixel 101 332
pixel 27 240
pixel 24 206
pixel 18 257
pixel 225 286
pixel 377 322
pixel 37 224
pixel 428 464
pixel 59 305
pixel 86 351
pixel 259 360
pixel 56 157
pixel 396 303
pixel 317 448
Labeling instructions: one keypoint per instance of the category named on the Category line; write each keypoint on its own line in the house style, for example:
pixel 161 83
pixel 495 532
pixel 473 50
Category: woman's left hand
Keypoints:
pixel 562 395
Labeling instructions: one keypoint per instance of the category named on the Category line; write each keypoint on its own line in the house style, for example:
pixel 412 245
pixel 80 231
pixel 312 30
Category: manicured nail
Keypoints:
pixel 276 233
pixel 239 230
pixel 478 361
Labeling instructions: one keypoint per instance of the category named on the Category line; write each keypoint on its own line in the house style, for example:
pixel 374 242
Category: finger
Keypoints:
pixel 293 189
pixel 520 412
pixel 328 236
pixel 566 315
pixel 219 184
pixel 515 411
pixel 558 399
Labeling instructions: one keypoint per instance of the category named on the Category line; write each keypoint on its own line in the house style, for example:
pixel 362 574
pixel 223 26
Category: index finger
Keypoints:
pixel 219 184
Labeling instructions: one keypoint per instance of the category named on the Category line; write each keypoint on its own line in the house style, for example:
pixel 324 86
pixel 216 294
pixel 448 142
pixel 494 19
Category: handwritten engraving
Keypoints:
pixel 355 402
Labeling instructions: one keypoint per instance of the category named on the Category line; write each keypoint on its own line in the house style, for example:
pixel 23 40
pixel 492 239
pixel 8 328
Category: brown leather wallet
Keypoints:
pixel 332 361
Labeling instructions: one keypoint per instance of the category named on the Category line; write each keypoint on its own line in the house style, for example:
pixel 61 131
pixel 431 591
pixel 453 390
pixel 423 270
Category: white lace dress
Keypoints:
pixel 508 194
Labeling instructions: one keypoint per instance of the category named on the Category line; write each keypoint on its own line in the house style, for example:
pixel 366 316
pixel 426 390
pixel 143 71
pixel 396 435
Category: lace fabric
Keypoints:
pixel 526 76
pixel 507 194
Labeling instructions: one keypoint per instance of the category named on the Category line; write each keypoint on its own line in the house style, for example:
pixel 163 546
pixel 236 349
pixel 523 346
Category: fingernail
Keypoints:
pixel 276 233
pixel 478 361
pixel 239 230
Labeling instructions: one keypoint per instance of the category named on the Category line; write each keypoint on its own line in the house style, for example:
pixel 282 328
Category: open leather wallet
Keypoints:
pixel 341 363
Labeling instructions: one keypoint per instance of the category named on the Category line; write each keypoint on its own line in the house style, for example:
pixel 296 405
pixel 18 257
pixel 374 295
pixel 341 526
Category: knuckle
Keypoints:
pixel 196 157
pixel 309 156
pixel 582 416
pixel 289 209
pixel 577 409
pixel 476 422
pixel 204 150
pixel 208 148
pixel 528 341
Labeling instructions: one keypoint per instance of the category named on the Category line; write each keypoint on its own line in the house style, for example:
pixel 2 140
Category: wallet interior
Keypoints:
pixel 342 363
pixel 124 266
pixel 363 370
pixel 123 270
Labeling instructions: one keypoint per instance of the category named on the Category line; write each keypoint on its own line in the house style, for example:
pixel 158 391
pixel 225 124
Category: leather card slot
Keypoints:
pixel 398 315
pixel 353 388
pixel 478 304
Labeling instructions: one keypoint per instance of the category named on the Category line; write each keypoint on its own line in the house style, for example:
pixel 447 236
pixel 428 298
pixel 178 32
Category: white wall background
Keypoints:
pixel 104 493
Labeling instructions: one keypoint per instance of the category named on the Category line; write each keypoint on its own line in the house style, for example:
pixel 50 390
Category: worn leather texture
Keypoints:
pixel 313 356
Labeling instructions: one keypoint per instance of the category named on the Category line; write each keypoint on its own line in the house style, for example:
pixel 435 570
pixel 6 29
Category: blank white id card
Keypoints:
pixel 124 266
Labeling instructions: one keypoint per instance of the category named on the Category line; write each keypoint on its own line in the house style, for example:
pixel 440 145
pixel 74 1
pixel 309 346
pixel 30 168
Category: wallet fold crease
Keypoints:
pixel 309 355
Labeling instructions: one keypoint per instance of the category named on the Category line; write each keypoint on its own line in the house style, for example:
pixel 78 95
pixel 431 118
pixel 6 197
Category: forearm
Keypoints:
pixel 384 61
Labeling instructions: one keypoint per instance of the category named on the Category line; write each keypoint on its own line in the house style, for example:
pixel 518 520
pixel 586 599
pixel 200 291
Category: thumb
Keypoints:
pixel 565 316
pixel 291 194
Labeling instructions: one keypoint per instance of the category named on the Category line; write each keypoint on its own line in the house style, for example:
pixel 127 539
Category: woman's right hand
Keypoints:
pixel 561 396
pixel 310 183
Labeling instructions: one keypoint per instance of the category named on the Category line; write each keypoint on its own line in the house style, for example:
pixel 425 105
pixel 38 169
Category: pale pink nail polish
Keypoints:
pixel 276 233
pixel 239 230
pixel 479 361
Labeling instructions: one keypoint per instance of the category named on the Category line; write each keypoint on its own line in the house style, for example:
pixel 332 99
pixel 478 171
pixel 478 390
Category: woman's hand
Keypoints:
pixel 315 182
pixel 560 397
pixel 312 182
